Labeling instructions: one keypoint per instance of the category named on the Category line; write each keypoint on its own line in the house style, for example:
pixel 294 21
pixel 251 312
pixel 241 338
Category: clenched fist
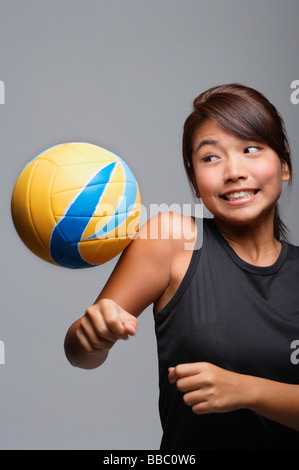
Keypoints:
pixel 90 338
pixel 103 324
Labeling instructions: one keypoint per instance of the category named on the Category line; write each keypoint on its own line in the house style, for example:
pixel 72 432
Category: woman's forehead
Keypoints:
pixel 211 132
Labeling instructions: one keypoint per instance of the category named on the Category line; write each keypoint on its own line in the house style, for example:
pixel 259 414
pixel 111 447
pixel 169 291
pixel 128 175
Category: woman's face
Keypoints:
pixel 239 181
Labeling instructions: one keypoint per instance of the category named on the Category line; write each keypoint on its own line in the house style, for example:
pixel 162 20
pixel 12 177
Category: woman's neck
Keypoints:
pixel 254 244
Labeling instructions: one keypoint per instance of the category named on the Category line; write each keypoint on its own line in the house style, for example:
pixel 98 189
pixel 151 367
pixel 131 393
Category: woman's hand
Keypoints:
pixel 211 389
pixel 103 324
pixel 208 388
pixel 90 338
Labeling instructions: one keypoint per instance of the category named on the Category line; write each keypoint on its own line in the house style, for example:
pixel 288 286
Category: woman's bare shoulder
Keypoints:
pixel 172 226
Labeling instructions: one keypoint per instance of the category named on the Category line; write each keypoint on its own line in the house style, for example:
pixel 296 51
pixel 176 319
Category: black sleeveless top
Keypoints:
pixel 240 317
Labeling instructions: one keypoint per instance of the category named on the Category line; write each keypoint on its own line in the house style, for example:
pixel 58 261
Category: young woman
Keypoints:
pixel 226 313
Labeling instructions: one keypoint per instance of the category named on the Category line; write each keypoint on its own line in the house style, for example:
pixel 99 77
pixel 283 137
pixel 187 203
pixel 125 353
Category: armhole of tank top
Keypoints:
pixel 185 280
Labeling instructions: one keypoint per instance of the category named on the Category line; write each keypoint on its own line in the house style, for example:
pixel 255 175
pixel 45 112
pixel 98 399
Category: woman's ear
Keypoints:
pixel 286 174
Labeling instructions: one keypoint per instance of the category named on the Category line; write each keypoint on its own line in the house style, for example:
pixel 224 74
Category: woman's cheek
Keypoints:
pixel 268 175
pixel 208 183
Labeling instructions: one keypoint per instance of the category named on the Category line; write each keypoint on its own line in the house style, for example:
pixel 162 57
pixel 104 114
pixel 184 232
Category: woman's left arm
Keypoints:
pixel 211 389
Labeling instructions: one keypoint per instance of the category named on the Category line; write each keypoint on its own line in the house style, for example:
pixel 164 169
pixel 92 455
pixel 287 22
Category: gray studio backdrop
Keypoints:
pixel 121 74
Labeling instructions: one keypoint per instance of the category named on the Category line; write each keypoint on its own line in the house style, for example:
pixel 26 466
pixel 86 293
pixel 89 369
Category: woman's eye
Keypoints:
pixel 210 158
pixel 252 149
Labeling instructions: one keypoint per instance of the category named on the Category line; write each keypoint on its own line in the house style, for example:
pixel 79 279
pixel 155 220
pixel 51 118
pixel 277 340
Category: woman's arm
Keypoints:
pixel 140 276
pixel 211 389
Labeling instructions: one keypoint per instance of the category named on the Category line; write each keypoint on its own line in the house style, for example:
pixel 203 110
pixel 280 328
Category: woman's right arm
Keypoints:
pixel 140 276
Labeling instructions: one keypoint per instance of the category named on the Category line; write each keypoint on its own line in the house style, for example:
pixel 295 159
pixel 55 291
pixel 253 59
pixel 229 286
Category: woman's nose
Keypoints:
pixel 234 169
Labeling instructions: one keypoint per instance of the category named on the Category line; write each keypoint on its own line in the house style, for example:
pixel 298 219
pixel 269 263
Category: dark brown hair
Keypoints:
pixel 248 114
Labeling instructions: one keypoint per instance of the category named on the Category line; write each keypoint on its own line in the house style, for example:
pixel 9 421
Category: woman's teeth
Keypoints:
pixel 239 195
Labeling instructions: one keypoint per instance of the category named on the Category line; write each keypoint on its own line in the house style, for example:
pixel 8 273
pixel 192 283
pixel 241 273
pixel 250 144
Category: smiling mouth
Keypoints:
pixel 237 195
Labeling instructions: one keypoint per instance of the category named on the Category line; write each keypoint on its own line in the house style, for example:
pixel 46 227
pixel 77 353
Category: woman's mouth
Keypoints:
pixel 240 196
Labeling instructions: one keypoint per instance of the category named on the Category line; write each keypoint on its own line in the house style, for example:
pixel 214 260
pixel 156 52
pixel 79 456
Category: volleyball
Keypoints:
pixel 76 205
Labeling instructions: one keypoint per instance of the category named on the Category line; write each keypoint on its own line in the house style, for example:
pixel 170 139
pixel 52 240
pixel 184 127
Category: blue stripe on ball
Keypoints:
pixel 127 203
pixel 64 244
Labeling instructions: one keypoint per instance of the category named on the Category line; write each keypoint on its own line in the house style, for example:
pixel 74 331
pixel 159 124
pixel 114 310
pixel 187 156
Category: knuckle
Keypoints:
pixel 205 366
pixel 114 322
pixel 186 399
pixel 83 324
pixel 178 370
pixel 217 405
pixel 180 384
pixel 102 303
pixel 209 379
pixel 99 308
pixel 90 311
pixel 198 409
pixel 105 303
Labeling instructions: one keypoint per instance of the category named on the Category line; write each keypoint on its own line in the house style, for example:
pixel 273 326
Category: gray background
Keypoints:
pixel 121 74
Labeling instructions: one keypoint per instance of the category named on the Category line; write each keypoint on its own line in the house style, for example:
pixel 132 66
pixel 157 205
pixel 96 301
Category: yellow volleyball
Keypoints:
pixel 76 205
